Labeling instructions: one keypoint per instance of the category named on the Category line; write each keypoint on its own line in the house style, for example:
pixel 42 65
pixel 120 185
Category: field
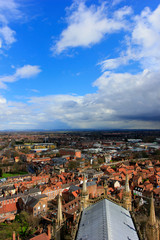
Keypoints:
pixel 5 175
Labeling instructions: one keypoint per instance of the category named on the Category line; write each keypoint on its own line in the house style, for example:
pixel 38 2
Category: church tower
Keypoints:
pixel 152 230
pixel 127 196
pixel 84 194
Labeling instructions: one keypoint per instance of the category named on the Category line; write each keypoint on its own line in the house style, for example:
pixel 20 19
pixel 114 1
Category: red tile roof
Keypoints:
pixel 9 207
pixel 42 236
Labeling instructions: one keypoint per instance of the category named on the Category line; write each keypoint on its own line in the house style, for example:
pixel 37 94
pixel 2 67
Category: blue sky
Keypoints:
pixel 79 64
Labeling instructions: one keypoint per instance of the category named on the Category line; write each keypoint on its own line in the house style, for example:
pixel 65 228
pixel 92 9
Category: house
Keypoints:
pixel 155 179
pixel 8 190
pixel 74 153
pixel 43 236
pixel 8 207
pixel 51 192
pixel 71 208
pixel 138 190
pixel 36 205
pixel 137 179
pixel 115 183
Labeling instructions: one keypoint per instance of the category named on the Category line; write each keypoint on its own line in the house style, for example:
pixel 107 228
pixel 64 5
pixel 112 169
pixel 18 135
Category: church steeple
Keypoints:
pixel 152 229
pixel 84 194
pixel 59 213
pixel 127 196
pixel 84 189
pixel 152 216
pixel 59 221
pixel 106 188
pixel 127 189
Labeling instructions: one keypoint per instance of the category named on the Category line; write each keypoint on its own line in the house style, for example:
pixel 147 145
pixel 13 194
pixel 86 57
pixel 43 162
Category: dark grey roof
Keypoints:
pixel 56 160
pixel 8 197
pixel 73 188
pixel 34 190
pixel 90 183
pixel 32 201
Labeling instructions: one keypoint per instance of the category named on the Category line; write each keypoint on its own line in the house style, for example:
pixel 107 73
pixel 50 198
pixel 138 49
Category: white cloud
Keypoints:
pixel 145 38
pixel 113 63
pixel 8 35
pixel 121 13
pixel 8 12
pixel 2 100
pixel 142 43
pixel 26 71
pixel 122 100
pixel 116 2
pixel 88 26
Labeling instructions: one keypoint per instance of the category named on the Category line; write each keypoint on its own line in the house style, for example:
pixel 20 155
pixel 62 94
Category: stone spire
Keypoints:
pixel 127 196
pixel 106 188
pixel 84 194
pixel 84 189
pixel 59 213
pixel 152 228
pixel 127 189
pixel 152 216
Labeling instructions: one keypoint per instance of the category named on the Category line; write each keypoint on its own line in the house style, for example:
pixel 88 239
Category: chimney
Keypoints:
pixel 14 235
pixel 49 231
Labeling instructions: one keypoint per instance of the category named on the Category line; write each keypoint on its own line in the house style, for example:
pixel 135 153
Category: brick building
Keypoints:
pixel 8 208
pixel 74 153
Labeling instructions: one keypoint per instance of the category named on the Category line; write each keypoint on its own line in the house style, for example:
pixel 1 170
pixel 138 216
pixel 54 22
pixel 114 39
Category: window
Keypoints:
pixel 38 207
pixel 44 205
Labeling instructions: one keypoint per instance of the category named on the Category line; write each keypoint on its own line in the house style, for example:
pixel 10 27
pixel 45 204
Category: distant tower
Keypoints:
pixel 127 196
pixel 152 230
pixel 84 194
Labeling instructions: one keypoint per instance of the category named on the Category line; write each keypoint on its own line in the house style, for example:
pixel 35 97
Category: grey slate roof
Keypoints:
pixel 106 220
pixel 73 188
pixel 91 183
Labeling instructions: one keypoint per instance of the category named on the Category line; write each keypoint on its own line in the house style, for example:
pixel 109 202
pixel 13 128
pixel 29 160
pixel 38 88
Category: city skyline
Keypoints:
pixel 79 64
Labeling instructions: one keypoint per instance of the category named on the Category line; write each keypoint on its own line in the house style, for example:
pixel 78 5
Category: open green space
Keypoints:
pixel 5 175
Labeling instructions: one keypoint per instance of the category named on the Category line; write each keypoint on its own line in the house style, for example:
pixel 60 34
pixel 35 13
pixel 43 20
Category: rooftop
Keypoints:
pixel 108 221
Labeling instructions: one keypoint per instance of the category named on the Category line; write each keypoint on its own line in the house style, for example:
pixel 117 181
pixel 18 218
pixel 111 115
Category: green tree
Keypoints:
pixel 100 160
pixel 73 165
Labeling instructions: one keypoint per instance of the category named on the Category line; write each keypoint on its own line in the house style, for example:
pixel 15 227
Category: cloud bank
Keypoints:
pixel 122 99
